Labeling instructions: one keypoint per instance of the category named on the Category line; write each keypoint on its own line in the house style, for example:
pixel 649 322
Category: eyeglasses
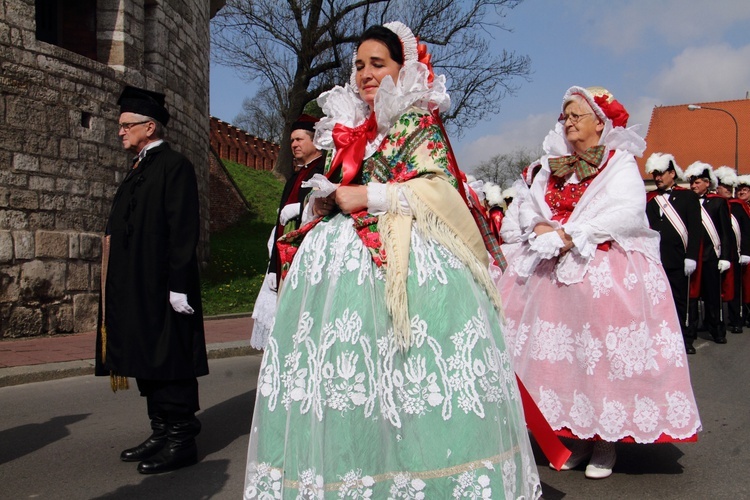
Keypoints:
pixel 127 126
pixel 573 117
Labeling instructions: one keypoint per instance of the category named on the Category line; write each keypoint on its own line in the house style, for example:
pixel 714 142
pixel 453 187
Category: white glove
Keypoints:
pixel 547 245
pixel 271 277
pixel 690 266
pixel 744 260
pixel 289 212
pixel 724 266
pixel 179 303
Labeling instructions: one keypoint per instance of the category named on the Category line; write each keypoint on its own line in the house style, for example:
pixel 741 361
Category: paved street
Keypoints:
pixel 61 439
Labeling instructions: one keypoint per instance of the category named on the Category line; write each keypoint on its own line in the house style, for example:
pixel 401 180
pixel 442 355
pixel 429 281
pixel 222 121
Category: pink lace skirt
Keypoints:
pixel 603 358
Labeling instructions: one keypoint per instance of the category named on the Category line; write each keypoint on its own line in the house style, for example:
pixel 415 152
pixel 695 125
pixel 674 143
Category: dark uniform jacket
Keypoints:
pixel 294 193
pixel 718 208
pixel 687 205
pixel 740 211
pixel 154 226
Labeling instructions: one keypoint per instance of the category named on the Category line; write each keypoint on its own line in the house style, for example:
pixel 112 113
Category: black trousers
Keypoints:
pixel 680 285
pixel 734 306
pixel 170 398
pixel 711 295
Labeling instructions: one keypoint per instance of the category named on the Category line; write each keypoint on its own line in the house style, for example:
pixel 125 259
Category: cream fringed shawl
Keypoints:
pixel 436 208
pixel 441 214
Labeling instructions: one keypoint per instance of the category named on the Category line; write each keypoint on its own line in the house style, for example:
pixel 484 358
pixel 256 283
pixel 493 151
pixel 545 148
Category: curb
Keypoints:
pixel 18 375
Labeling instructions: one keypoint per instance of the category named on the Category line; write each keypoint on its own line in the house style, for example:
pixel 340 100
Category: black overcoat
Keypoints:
pixel 154 226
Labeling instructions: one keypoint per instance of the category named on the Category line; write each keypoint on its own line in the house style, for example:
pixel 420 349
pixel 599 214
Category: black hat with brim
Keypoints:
pixel 305 122
pixel 143 102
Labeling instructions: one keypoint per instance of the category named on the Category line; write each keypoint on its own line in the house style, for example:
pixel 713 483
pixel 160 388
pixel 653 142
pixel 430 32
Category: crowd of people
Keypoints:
pixel 412 319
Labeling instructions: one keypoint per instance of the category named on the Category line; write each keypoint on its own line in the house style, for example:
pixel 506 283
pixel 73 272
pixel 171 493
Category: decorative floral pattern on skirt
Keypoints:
pixel 341 412
pixel 604 356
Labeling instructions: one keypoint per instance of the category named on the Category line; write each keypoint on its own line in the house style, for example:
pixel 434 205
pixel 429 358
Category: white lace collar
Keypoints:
pixel 344 105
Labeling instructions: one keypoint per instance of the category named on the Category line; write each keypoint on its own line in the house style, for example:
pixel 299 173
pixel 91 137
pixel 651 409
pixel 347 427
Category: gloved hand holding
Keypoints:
pixel 272 284
pixel 547 245
pixel 744 260
pixel 179 303
pixel 289 212
pixel 724 266
pixel 690 266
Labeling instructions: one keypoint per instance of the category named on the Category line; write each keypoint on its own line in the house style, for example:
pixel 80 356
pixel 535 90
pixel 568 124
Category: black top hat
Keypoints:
pixel 143 102
pixel 305 122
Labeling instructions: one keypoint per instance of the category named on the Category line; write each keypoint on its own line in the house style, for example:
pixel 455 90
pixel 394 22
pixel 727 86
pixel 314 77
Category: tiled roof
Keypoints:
pixel 700 135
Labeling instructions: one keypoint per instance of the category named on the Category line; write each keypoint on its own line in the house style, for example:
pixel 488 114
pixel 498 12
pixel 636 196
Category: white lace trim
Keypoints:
pixel 264 315
pixel 344 105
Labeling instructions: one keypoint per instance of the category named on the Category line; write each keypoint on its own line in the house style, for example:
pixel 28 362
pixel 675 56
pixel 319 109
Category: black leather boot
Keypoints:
pixel 180 450
pixel 152 445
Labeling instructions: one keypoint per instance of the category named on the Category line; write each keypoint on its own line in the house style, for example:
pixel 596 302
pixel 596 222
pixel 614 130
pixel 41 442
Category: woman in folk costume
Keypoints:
pixel 591 324
pixel 371 386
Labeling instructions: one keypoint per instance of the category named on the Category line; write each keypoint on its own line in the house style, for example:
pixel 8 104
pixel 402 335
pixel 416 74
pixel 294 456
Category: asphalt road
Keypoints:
pixel 61 439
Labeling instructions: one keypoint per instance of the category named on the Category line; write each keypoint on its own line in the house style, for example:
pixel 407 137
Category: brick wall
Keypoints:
pixel 232 143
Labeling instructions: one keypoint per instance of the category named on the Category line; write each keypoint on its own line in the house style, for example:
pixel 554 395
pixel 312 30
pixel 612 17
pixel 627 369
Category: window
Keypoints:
pixel 70 24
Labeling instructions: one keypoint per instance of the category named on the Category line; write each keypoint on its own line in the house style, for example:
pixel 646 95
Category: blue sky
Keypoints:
pixel 646 52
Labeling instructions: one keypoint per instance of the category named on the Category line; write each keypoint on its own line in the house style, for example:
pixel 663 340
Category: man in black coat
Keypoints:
pixel 740 216
pixel 675 213
pixel 717 246
pixel 150 317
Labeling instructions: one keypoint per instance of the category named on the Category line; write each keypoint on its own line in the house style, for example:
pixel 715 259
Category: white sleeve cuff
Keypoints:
pixel 379 199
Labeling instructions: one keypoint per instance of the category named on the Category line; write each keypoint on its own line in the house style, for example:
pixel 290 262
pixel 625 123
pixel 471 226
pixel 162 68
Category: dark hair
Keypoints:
pixel 386 37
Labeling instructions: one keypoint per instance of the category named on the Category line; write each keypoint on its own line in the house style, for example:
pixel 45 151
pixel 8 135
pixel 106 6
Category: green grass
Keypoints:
pixel 239 255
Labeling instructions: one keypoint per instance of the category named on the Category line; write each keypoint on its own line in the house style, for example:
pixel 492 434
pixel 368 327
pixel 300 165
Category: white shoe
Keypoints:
pixel 602 461
pixel 581 451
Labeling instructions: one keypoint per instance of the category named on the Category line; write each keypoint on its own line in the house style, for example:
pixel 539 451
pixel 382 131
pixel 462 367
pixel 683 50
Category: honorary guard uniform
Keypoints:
pixel 293 196
pixel 675 213
pixel 308 162
pixel 717 246
pixel 739 212
pixel 150 317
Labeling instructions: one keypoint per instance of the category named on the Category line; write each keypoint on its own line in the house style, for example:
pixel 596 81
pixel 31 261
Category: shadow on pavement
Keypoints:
pixel 25 439
pixel 225 422
pixel 203 480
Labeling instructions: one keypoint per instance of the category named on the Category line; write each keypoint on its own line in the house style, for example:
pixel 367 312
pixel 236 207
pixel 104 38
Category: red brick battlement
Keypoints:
pixel 234 144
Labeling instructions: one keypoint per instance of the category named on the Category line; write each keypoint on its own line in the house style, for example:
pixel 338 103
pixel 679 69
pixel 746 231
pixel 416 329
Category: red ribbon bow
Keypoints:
pixel 350 147
pixel 425 58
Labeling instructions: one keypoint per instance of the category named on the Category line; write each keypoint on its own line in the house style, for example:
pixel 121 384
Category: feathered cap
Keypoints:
pixel 702 170
pixel 602 102
pixel 727 176
pixel 661 162
pixel 493 194
pixel 743 181
pixel 509 193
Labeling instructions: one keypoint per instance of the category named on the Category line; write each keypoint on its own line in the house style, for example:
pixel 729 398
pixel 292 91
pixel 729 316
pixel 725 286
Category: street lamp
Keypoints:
pixel 693 107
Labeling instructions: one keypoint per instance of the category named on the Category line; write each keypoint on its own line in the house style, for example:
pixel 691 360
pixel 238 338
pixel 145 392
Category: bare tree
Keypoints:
pixel 300 48
pixel 506 168
pixel 260 116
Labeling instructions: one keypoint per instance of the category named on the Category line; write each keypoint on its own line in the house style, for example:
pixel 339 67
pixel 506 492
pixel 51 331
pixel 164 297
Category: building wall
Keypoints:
pixel 60 157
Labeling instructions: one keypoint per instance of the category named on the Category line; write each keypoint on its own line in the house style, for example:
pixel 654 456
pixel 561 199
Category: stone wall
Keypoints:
pixel 60 156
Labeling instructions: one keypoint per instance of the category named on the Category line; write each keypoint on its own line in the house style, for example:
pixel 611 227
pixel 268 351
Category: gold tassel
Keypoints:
pixel 118 382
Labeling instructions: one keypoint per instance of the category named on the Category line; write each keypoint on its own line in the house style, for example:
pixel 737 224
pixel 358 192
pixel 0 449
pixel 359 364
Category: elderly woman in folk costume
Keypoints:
pixel 590 320
pixel 370 385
